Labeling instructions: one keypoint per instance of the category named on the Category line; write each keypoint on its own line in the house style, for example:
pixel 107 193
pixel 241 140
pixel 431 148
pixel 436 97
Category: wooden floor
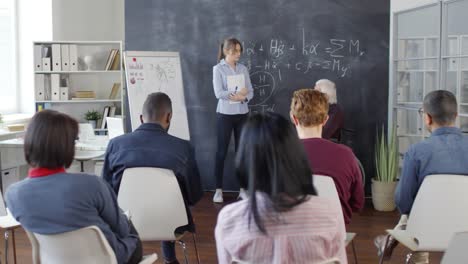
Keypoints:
pixel 367 225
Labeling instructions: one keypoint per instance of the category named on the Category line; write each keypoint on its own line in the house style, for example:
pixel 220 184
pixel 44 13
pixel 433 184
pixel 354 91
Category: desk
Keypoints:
pixel 12 155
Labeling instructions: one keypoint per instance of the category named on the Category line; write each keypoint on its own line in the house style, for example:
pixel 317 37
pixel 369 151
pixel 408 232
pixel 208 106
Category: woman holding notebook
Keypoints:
pixel 233 89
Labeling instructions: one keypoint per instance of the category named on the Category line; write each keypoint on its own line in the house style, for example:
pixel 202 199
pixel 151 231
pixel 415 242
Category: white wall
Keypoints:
pixel 34 24
pixel 88 19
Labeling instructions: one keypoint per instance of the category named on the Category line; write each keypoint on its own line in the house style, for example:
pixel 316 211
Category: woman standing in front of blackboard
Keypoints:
pixel 233 89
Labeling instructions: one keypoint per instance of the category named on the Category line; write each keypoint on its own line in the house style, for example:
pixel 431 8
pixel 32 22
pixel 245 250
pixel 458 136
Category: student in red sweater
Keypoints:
pixel 309 113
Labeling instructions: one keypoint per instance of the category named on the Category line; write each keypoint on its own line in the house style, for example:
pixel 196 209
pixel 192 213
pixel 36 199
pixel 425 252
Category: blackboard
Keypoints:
pixel 287 45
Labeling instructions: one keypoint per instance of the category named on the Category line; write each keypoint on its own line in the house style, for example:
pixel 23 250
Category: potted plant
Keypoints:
pixel 92 116
pixel 386 163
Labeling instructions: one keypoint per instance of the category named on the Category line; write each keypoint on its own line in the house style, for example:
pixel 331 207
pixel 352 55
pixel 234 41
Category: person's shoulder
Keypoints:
pixel 179 142
pixel 231 212
pixel 242 66
pixel 120 139
pixel 322 206
pixel 16 188
pixel 339 149
pixel 218 66
pixel 422 147
pixel 82 177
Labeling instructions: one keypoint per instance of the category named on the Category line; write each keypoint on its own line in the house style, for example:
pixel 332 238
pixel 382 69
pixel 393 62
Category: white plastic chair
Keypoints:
pixel 153 198
pixel 328 261
pixel 438 212
pixel 85 245
pixel 326 188
pixel 457 250
pixel 8 223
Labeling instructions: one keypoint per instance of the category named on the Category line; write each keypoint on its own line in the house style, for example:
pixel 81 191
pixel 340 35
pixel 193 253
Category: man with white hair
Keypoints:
pixel 332 129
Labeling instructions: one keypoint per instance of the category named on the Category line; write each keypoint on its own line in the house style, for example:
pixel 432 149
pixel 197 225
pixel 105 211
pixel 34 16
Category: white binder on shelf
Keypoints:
pixel 56 58
pixel 73 57
pixel 37 58
pixel 65 57
pixel 46 64
pixel 63 93
pixel 55 86
pixel 40 91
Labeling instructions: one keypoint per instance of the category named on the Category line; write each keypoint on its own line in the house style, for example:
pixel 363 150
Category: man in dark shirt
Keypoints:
pixel 309 110
pixel 334 125
pixel 151 146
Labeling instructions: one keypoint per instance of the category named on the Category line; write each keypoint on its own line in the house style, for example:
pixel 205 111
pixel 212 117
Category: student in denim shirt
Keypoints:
pixel 444 152
pixel 232 109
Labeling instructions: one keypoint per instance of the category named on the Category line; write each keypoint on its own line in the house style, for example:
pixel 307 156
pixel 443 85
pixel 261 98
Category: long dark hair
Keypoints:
pixel 272 160
pixel 227 44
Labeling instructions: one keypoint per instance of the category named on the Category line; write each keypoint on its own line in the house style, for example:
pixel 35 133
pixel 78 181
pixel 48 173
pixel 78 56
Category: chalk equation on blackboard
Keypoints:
pixel 271 60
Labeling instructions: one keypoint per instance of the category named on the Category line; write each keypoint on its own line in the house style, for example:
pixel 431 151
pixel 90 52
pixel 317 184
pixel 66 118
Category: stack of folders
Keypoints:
pixel 84 95
pixel 109 111
pixel 113 60
pixel 55 57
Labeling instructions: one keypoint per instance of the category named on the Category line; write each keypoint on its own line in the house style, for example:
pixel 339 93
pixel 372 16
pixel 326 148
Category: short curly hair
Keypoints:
pixel 309 106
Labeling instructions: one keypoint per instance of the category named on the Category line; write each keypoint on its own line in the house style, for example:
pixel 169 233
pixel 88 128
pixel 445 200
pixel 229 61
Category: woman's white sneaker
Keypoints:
pixel 218 196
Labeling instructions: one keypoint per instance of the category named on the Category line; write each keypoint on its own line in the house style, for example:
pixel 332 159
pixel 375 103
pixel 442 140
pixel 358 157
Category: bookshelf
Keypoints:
pixel 85 75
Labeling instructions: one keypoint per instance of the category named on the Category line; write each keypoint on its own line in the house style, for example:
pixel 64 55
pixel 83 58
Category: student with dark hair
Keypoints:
pixel 444 152
pixel 232 108
pixel 51 201
pixel 309 110
pixel 283 221
pixel 151 146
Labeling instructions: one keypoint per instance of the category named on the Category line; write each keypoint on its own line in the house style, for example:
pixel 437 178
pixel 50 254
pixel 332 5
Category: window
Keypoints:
pixel 8 86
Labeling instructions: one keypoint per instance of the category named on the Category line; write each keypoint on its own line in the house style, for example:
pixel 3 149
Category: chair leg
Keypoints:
pixel 385 249
pixel 184 248
pixel 408 257
pixel 14 245
pixel 354 252
pixel 6 246
pixel 196 248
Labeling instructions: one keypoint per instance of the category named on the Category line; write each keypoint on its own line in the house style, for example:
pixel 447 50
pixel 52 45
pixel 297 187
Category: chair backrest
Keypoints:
pixel 439 211
pixel 85 245
pixel 325 187
pixel 3 210
pixel 457 251
pixel 328 261
pixel 154 201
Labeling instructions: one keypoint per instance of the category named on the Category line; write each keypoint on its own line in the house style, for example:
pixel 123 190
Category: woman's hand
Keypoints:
pixel 237 97
pixel 243 91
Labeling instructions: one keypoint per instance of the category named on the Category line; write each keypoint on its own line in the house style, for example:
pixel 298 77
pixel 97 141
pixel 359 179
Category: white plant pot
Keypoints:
pixel 93 123
pixel 383 195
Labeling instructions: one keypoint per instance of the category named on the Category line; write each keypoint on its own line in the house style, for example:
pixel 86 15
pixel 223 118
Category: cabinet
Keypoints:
pixel 74 77
pixel 430 51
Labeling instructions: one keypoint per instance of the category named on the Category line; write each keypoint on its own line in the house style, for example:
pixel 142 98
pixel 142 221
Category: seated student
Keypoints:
pixel 51 201
pixel 151 146
pixel 309 114
pixel 444 152
pixel 334 125
pixel 283 221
